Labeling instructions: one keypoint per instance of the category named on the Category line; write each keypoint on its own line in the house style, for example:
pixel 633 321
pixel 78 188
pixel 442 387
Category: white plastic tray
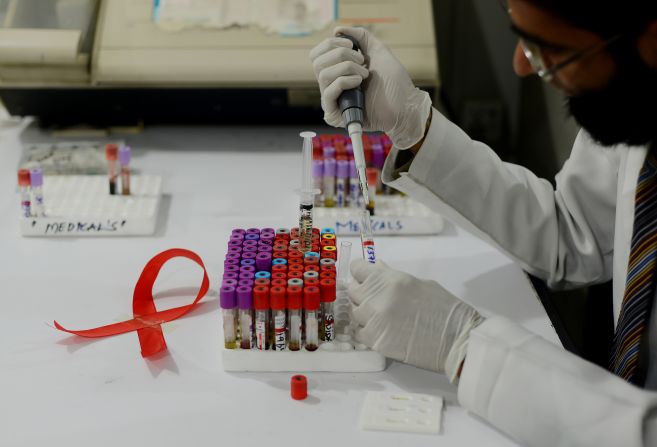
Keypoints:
pixel 80 205
pixel 394 215
pixel 341 355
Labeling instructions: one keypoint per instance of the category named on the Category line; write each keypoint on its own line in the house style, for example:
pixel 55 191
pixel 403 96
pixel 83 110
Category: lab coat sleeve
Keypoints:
pixel 564 236
pixel 542 395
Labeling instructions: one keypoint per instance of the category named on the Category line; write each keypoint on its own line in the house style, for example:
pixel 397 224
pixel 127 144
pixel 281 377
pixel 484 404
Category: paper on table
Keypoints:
pixel 285 17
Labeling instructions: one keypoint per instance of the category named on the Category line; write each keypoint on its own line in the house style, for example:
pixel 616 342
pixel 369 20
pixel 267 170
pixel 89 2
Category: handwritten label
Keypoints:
pixel 77 227
pixel 378 225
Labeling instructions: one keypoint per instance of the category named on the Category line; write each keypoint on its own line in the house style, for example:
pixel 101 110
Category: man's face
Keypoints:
pixel 611 94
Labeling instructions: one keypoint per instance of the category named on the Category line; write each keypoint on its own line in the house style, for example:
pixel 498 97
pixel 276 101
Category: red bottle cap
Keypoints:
pixel 24 177
pixel 294 297
pixel 296 268
pixel 279 268
pixel 330 254
pixel 327 274
pixel 111 151
pixel 311 298
pixel 261 298
pixel 327 286
pixel 311 260
pixel 299 387
pixel 279 247
pixel 372 176
pixel 262 282
pixel 294 254
pixel 278 283
pixel 278 298
pixel 327 243
pixel 311 282
pixel 327 268
pixel 311 268
pixel 315 248
pixel 279 254
pixel 279 275
pixel 295 274
pixel 292 261
pixel 316 231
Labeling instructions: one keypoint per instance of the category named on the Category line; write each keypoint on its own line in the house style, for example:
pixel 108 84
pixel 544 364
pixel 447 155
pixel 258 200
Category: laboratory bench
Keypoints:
pixel 62 390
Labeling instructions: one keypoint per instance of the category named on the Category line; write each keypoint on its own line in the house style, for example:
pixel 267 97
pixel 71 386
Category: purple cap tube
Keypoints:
pixel 247 275
pixel 378 156
pixel 267 230
pixel 245 297
pixel 229 262
pixel 253 231
pixel 36 177
pixel 125 154
pixel 241 231
pixel 263 261
pixel 231 275
pixel 246 282
pixel 249 248
pixel 350 150
pixel 328 152
pixel 235 243
pixel 248 255
pixel 227 297
pixel 265 243
pixel 248 243
pixel 265 248
pixel 248 268
pixel 318 168
pixel 343 169
pixel 232 256
pixel 329 167
pixel 231 268
pixel 237 237
pixel 234 249
pixel 247 262
pixel 252 237
pixel 229 282
pixel 353 170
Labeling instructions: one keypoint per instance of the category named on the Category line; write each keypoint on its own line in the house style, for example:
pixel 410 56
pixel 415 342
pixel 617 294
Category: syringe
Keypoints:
pixel 352 107
pixel 306 194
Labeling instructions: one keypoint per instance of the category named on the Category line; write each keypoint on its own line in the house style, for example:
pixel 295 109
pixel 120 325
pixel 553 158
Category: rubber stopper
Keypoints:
pixel 294 297
pixel 299 387
pixel 261 298
pixel 327 287
pixel 278 298
pixel 311 298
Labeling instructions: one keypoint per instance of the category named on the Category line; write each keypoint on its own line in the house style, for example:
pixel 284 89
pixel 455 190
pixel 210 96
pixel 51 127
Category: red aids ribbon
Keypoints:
pixel 147 319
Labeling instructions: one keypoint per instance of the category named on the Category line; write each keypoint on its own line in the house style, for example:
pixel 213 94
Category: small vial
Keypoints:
pixel 261 304
pixel 245 304
pixel 36 182
pixel 372 181
pixel 124 161
pixel 341 183
pixel 318 180
pixel 228 305
pixel 24 186
pixel 366 238
pixel 354 198
pixel 311 300
pixel 294 306
pixel 278 306
pixel 329 182
pixel 111 154
pixel 327 293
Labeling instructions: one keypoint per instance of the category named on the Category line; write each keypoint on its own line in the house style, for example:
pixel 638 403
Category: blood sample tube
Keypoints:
pixel 341 183
pixel 278 306
pixel 318 180
pixel 261 304
pixel 327 329
pixel 245 304
pixel 24 185
pixel 111 154
pixel 329 182
pixel 311 300
pixel 36 182
pixel 229 313
pixel 124 162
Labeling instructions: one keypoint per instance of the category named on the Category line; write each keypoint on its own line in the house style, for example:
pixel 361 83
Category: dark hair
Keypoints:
pixel 604 17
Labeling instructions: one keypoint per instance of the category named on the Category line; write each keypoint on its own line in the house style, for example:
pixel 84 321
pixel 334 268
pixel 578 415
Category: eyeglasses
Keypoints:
pixel 534 51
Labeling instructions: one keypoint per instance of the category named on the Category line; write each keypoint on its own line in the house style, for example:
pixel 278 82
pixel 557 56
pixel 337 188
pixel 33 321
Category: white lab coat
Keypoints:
pixel 578 234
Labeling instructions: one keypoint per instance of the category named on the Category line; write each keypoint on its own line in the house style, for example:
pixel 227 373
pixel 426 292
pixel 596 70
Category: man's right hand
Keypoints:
pixel 392 103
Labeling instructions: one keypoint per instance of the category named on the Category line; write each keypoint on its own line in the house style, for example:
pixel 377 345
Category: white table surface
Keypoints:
pixel 60 390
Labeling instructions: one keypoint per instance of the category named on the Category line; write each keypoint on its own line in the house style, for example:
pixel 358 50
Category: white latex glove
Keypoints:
pixel 392 103
pixel 408 319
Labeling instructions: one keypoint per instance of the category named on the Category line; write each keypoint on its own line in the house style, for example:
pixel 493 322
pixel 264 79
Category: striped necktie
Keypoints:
pixel 641 274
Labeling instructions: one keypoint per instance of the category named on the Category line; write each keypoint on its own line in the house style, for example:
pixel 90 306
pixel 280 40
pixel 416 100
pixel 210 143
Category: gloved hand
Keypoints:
pixel 392 103
pixel 408 319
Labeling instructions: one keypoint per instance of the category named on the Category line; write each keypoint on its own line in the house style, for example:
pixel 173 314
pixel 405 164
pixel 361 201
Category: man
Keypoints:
pixel 599 223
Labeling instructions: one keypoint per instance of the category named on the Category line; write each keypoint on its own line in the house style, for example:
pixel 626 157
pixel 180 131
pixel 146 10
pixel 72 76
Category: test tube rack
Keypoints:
pixel 394 215
pixel 343 354
pixel 81 206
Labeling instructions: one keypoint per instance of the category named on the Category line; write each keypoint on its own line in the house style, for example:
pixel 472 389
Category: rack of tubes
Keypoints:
pixel 278 305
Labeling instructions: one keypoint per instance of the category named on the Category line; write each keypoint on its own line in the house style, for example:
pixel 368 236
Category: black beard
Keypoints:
pixel 626 110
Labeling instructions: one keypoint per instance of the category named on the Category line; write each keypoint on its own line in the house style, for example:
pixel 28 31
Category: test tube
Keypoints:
pixel 245 304
pixel 24 186
pixel 354 191
pixel 341 183
pixel 36 182
pixel 278 306
pixel 261 305
pixel 111 154
pixel 311 300
pixel 318 180
pixel 372 181
pixel 294 305
pixel 329 182
pixel 124 161
pixel 306 193
pixel 328 295
pixel 229 313
pixel 366 238
pixel 344 257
